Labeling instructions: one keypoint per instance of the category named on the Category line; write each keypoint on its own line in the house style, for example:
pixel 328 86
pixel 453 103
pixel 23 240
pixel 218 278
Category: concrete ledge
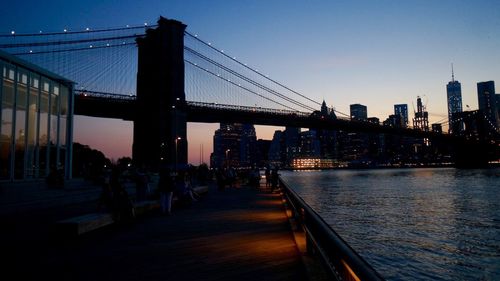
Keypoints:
pixel 82 224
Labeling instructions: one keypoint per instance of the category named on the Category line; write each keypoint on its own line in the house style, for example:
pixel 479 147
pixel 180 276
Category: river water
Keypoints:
pixel 412 224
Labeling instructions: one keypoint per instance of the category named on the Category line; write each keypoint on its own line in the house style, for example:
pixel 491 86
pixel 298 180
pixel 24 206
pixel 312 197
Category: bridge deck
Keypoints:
pixel 238 234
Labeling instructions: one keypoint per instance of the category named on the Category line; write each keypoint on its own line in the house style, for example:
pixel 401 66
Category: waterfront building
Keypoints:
pixel 234 145
pixel 454 98
pixel 328 138
pixel 291 138
pixel 487 101
pixel 402 110
pixel 312 163
pixel 263 152
pixel 356 145
pixel 277 150
pixel 358 112
pixel 498 103
pixel 37 121
pixel 394 120
pixel 309 144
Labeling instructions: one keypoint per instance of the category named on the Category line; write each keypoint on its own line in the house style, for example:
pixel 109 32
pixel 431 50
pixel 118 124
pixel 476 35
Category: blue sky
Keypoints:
pixel 377 53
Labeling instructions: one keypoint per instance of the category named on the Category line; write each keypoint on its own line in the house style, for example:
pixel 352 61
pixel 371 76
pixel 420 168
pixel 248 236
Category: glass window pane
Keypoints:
pixel 43 130
pixel 20 125
pixel 6 126
pixel 54 119
pixel 32 138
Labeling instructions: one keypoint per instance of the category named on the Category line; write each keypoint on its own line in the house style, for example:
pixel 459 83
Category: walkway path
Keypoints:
pixel 238 234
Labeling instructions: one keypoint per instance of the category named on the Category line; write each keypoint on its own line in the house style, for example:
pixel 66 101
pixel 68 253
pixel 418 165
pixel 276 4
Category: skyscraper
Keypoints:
pixel 358 112
pixel 487 101
pixel 402 110
pixel 421 119
pixel 454 98
pixel 234 145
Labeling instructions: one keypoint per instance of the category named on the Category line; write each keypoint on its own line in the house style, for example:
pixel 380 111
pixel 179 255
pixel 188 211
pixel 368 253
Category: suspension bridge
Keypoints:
pixel 162 76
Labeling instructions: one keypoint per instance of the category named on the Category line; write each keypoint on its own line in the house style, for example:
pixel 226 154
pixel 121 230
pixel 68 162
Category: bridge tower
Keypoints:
pixel 160 123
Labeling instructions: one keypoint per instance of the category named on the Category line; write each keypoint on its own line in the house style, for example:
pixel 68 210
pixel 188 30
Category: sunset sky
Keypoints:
pixel 377 53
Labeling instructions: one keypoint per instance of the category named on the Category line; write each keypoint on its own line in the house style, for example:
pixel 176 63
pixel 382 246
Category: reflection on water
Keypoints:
pixel 412 224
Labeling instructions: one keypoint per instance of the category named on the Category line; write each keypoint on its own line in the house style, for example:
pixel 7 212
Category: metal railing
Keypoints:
pixel 342 262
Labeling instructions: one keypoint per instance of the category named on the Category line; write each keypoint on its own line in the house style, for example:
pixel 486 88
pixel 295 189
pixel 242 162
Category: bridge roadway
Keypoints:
pixel 238 234
pixel 124 107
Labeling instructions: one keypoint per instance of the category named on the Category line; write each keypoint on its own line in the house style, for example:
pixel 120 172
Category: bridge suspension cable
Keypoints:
pixel 271 91
pixel 251 69
pixel 99 60
pixel 239 85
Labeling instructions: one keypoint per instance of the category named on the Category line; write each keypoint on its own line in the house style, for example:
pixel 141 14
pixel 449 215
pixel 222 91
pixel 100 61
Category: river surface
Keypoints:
pixel 412 224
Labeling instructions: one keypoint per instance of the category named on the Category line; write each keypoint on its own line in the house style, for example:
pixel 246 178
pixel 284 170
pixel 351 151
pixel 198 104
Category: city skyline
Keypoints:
pixel 345 53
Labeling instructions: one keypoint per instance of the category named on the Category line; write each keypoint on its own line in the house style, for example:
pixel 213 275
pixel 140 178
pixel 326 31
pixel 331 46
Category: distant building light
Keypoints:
pixel 87 29
pixel 65 30
pixel 12 32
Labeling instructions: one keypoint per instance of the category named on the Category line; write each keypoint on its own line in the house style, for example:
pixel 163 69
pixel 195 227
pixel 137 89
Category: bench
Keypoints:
pixel 82 224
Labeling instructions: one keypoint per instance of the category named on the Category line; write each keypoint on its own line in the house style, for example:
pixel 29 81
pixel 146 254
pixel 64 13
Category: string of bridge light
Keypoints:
pixel 67 42
pixel 66 31
pixel 271 91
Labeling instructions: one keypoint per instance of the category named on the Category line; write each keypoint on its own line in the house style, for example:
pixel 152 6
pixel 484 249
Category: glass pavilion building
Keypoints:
pixel 37 119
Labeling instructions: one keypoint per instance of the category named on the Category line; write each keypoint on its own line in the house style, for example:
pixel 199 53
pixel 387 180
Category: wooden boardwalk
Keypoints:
pixel 238 234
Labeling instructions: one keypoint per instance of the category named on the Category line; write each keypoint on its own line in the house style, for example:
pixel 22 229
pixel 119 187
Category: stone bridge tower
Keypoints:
pixel 160 122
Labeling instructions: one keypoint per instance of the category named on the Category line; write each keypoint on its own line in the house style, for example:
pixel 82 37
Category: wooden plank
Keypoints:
pixel 236 234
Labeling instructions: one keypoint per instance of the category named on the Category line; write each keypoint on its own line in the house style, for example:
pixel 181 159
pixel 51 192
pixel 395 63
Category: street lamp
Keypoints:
pixel 176 140
pixel 227 158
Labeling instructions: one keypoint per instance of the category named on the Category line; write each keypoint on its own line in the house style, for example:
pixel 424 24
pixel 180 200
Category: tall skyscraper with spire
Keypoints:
pixel 454 97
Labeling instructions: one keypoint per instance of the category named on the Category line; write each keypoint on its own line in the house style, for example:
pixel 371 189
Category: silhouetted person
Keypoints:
pixel 231 176
pixel 268 177
pixel 221 179
pixel 141 185
pixel 55 179
pixel 123 210
pixel 183 188
pixel 166 187
pixel 274 179
pixel 106 198
pixel 254 177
